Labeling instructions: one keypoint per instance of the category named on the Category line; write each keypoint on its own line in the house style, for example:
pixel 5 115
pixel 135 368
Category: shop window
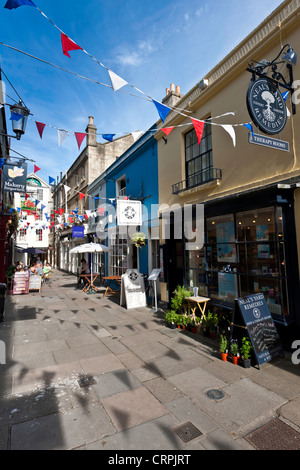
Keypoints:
pixel 22 234
pixel 39 235
pixel 244 254
pixel 118 257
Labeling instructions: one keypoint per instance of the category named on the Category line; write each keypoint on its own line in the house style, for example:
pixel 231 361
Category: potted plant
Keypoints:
pixel 206 324
pixel 138 239
pixel 234 351
pixel 213 321
pixel 223 347
pixel 178 299
pixel 171 319
pixel 246 352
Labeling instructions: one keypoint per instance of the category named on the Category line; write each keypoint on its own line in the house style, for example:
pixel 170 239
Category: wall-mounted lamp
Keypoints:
pixel 19 115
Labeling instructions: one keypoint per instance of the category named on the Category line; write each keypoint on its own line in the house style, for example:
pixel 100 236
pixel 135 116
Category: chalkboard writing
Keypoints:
pixel 35 282
pixel 21 283
pixel 260 325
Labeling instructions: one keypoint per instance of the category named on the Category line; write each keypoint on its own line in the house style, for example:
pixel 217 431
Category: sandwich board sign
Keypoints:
pixel 133 291
pixel 35 282
pixel 254 313
pixel 21 283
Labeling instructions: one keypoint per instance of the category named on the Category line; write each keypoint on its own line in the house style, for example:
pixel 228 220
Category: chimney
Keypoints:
pixel 91 130
pixel 172 95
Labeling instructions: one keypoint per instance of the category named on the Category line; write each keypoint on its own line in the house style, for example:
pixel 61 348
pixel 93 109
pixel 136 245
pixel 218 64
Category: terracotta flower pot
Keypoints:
pixel 235 359
pixel 224 356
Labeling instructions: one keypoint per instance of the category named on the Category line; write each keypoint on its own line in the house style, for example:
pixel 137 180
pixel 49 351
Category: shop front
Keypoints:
pixel 250 247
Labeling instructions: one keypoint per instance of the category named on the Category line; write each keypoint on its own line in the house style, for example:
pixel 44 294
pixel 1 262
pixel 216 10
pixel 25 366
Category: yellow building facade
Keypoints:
pixel 250 192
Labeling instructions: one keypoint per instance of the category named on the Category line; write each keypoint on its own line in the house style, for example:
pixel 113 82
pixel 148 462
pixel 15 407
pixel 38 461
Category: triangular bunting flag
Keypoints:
pixel 162 110
pixel 79 137
pixel 116 81
pixel 109 137
pixel 136 135
pixel 230 131
pixel 36 168
pixel 199 126
pixel 167 130
pixel 67 188
pixel 61 211
pixel 40 127
pixel 249 126
pixel 15 117
pixel 42 207
pixel 18 3
pixel 80 217
pixel 68 45
pixel 285 95
pixel 61 136
pixel 81 196
pixel 51 180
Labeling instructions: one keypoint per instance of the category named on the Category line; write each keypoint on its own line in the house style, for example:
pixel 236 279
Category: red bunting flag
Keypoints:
pixel 36 168
pixel 68 45
pixel 40 127
pixel 26 196
pixel 199 126
pixel 52 215
pixel 79 137
pixel 36 217
pixel 81 196
pixel 167 130
pixel 61 211
pixel 86 216
pixel 101 210
pixel 56 212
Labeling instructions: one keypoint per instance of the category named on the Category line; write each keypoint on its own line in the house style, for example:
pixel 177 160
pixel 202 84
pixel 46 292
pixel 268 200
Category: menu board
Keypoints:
pixel 35 282
pixel 21 283
pixel 261 328
pixel 133 289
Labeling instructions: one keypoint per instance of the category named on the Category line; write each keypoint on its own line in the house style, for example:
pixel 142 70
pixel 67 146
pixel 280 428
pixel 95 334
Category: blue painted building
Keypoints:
pixel 132 177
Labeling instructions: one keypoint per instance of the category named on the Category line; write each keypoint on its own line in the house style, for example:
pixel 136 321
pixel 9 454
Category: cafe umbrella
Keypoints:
pixel 90 248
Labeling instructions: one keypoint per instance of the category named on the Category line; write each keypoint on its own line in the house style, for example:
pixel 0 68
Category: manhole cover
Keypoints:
pixel 187 432
pixel 215 394
pixel 86 381
pixel 275 435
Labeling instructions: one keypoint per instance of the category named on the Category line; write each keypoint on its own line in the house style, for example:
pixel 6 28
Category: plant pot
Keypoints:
pixel 213 334
pixel 193 329
pixel 224 356
pixel 247 363
pixel 235 359
pixel 173 326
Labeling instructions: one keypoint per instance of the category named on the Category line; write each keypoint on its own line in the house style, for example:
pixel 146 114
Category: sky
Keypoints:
pixel 149 44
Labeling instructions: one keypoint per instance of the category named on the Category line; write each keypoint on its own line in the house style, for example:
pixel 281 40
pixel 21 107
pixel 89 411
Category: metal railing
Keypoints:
pixel 197 179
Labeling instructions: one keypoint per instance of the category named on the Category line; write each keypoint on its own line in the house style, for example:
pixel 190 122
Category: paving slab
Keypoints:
pixel 132 408
pixel 112 383
pixel 62 431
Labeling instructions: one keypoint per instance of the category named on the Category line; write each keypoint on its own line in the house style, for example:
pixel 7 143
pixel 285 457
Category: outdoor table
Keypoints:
pixel 199 302
pixel 108 280
pixel 90 282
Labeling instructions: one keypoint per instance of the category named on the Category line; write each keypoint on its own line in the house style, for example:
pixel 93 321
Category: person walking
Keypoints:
pixel 84 270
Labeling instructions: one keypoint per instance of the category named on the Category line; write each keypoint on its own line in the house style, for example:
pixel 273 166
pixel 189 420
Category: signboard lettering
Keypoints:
pixel 260 325
pixel 78 231
pixel 266 106
pixel 269 142
pixel 133 289
pixel 14 178
pixel 35 282
pixel 21 283
pixel 129 212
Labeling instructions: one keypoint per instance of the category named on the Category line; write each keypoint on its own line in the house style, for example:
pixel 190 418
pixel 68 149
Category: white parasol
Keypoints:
pixel 90 248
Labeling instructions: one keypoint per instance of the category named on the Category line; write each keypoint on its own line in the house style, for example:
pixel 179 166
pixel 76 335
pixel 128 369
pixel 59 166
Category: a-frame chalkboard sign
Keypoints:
pixel 251 313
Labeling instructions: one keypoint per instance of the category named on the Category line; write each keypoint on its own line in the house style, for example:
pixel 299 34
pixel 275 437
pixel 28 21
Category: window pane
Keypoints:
pixel 256 225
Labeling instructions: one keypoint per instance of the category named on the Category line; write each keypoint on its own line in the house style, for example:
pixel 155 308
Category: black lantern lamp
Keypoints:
pixel 19 115
pixel 262 68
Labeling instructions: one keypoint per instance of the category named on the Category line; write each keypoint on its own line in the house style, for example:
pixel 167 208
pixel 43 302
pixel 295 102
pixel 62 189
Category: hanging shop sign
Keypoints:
pixel 129 212
pixel 14 178
pixel 266 106
pixel 78 231
pixel 269 142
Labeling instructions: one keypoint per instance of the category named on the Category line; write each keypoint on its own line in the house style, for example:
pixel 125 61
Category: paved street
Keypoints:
pixel 84 373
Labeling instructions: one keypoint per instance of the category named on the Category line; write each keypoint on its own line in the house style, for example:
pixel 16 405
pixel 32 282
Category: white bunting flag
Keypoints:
pixel 230 131
pixel 116 81
pixel 136 135
pixel 61 136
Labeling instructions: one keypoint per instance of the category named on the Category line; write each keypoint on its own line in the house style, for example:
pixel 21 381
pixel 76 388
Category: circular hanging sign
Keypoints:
pixel 266 106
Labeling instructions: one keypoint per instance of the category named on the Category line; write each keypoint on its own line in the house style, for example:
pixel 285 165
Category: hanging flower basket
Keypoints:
pixel 138 239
